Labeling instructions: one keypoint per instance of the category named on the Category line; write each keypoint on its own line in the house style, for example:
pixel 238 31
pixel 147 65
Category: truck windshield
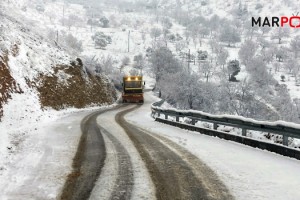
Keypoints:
pixel 133 84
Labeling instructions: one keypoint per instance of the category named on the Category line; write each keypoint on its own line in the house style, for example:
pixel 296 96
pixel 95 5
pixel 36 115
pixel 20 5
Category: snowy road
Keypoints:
pixel 124 154
pixel 176 173
pixel 148 160
pixel 135 164
pixel 88 160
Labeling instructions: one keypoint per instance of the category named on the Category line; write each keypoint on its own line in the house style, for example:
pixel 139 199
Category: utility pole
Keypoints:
pixel 189 59
pixel 92 21
pixel 64 14
pixel 128 39
pixel 57 37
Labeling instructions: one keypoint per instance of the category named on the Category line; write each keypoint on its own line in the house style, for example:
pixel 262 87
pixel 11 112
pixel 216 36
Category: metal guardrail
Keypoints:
pixel 281 128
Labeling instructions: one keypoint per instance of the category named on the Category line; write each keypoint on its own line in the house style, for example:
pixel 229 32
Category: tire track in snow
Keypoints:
pixel 143 188
pixel 174 177
pixel 124 182
pixel 88 161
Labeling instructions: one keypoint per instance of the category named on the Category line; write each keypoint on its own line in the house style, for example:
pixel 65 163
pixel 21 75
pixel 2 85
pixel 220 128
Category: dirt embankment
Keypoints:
pixel 72 86
pixel 68 86
pixel 7 83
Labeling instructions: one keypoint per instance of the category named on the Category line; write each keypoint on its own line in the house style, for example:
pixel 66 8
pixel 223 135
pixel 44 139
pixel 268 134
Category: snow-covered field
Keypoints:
pixel 248 172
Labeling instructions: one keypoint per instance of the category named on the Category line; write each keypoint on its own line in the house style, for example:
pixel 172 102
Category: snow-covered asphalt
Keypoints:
pixel 138 164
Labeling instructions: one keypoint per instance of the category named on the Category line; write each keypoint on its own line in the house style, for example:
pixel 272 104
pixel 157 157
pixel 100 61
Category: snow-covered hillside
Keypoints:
pixel 118 37
pixel 41 41
pixel 38 78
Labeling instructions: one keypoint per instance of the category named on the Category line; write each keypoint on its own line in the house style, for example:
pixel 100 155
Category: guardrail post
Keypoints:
pixel 193 121
pixel 158 114
pixel 244 132
pixel 215 126
pixel 166 116
pixel 285 140
pixel 177 118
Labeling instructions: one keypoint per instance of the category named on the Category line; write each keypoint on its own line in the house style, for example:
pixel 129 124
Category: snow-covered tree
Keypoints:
pixel 239 98
pixel 180 45
pixel 265 29
pixel 263 43
pixel 92 65
pixel 155 33
pixel 139 61
pixel 234 68
pixel 259 72
pixel 166 22
pixel 247 51
pixel 203 31
pixel 206 68
pixel 284 105
pixel 214 24
pixel 125 61
pixel 101 40
pixel 104 22
pixel 73 43
pixel 72 20
pixel 291 65
pixel 229 35
pixel 268 55
pixel 222 57
pixel 281 53
pixel 280 33
pixel 295 45
pixel 250 31
pixel 163 63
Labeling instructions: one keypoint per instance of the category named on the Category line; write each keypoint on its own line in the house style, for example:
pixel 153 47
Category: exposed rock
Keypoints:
pixel 75 89
pixel 7 83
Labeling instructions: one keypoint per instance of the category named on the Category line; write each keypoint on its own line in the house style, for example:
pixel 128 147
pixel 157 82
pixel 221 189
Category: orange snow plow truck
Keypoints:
pixel 133 89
